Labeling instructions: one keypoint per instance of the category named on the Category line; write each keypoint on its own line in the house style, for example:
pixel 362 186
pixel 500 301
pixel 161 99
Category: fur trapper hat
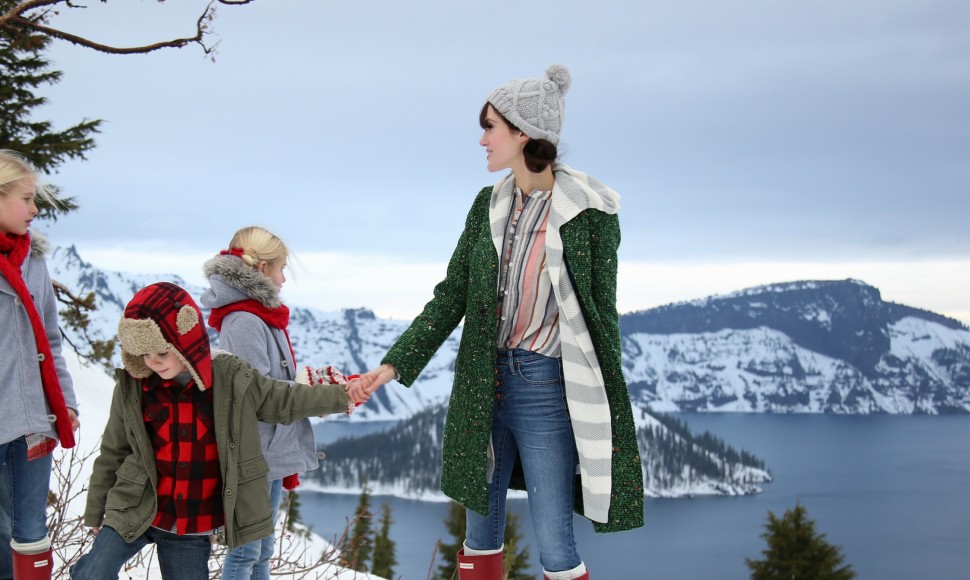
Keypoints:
pixel 535 106
pixel 163 317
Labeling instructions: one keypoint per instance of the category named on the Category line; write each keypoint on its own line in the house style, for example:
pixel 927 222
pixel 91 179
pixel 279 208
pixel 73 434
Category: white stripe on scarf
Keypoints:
pixel 572 193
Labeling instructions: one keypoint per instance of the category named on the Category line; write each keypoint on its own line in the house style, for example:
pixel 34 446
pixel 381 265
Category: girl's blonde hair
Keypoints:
pixel 14 168
pixel 259 245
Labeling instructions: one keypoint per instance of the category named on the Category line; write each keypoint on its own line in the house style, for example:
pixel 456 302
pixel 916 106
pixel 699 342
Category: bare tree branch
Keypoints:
pixel 35 15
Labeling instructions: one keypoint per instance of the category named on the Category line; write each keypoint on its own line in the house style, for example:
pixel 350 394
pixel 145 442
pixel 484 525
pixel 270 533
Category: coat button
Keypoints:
pixel 228 492
pixel 232 445
pixel 41 357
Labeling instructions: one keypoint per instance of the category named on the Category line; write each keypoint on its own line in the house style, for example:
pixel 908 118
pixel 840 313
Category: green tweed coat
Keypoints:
pixel 590 241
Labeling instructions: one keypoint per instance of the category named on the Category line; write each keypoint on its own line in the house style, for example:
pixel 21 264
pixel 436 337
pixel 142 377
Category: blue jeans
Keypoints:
pixel 6 559
pixel 530 420
pixel 251 561
pixel 29 483
pixel 179 557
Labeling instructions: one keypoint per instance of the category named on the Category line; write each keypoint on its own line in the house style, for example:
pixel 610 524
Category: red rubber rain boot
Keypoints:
pixel 487 567
pixel 33 561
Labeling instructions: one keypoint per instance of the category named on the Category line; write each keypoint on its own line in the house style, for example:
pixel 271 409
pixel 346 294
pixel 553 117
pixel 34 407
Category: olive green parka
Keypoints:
pixel 122 491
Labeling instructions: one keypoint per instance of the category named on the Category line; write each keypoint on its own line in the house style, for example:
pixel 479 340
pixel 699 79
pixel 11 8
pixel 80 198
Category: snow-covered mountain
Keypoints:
pixel 799 347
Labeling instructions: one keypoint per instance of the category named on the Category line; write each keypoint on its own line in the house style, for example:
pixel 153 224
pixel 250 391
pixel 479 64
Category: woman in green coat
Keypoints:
pixel 539 401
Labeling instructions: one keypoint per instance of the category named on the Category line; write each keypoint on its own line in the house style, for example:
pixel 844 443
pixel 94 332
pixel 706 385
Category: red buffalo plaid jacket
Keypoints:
pixel 179 421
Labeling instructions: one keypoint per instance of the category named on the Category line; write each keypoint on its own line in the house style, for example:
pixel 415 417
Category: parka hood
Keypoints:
pixel 231 280
pixel 163 317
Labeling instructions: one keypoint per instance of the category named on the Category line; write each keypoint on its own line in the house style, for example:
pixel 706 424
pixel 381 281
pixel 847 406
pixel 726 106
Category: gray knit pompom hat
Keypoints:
pixel 535 106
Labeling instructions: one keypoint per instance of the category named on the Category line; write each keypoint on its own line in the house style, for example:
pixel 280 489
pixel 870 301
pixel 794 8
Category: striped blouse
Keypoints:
pixel 528 312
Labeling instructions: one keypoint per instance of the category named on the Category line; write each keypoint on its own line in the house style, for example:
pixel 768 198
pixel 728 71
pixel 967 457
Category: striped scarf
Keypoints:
pixel 589 408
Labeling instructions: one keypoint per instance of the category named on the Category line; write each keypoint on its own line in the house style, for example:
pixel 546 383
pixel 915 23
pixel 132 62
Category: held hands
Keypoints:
pixel 328 375
pixel 362 387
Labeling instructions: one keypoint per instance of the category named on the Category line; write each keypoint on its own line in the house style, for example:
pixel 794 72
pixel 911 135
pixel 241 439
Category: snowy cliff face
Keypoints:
pixel 801 347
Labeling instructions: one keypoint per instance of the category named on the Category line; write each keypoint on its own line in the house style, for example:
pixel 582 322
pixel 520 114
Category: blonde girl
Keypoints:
pixel 39 406
pixel 244 295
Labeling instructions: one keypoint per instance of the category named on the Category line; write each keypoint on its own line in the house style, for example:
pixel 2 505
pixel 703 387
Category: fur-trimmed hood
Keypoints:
pixel 39 246
pixel 160 318
pixel 231 280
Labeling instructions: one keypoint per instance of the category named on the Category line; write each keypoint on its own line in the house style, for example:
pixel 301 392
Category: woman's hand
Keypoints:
pixel 75 422
pixel 361 388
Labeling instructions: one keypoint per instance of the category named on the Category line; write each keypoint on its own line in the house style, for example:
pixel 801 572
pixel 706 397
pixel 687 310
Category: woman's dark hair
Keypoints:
pixel 539 153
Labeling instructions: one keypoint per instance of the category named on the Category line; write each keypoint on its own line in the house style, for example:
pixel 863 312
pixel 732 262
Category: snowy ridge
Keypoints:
pixel 802 347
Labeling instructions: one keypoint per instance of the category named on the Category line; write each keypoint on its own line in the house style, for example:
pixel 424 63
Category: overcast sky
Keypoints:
pixel 752 141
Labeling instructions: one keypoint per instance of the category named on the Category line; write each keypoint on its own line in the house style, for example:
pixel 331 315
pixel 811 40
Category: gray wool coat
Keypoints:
pixel 288 448
pixel 24 408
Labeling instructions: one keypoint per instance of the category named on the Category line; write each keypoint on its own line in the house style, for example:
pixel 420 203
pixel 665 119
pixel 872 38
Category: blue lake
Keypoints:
pixel 892 491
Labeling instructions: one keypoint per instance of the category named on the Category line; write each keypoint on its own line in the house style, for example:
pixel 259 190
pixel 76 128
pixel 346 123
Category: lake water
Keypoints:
pixel 892 491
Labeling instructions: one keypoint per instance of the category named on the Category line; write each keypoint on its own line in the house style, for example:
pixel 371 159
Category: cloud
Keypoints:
pixel 749 132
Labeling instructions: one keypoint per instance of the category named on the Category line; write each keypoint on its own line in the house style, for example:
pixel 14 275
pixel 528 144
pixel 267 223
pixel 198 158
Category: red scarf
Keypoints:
pixel 13 251
pixel 278 317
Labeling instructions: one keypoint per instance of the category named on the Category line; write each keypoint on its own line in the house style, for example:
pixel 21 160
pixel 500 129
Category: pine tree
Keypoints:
pixel 356 549
pixel 455 524
pixel 25 69
pixel 292 510
pixel 796 551
pixel 384 559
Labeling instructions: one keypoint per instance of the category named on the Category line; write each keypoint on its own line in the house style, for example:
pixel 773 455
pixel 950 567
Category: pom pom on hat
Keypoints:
pixel 535 106
pixel 559 74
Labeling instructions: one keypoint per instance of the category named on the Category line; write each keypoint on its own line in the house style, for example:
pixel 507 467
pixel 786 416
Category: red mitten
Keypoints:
pixel 327 375
pixel 291 482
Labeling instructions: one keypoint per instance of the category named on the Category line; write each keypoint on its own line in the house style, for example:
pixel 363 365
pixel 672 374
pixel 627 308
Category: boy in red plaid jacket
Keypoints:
pixel 181 458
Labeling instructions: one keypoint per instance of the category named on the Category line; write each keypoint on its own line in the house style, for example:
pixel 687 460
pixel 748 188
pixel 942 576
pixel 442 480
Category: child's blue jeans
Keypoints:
pixel 251 561
pixel 530 420
pixel 6 559
pixel 179 557
pixel 28 484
